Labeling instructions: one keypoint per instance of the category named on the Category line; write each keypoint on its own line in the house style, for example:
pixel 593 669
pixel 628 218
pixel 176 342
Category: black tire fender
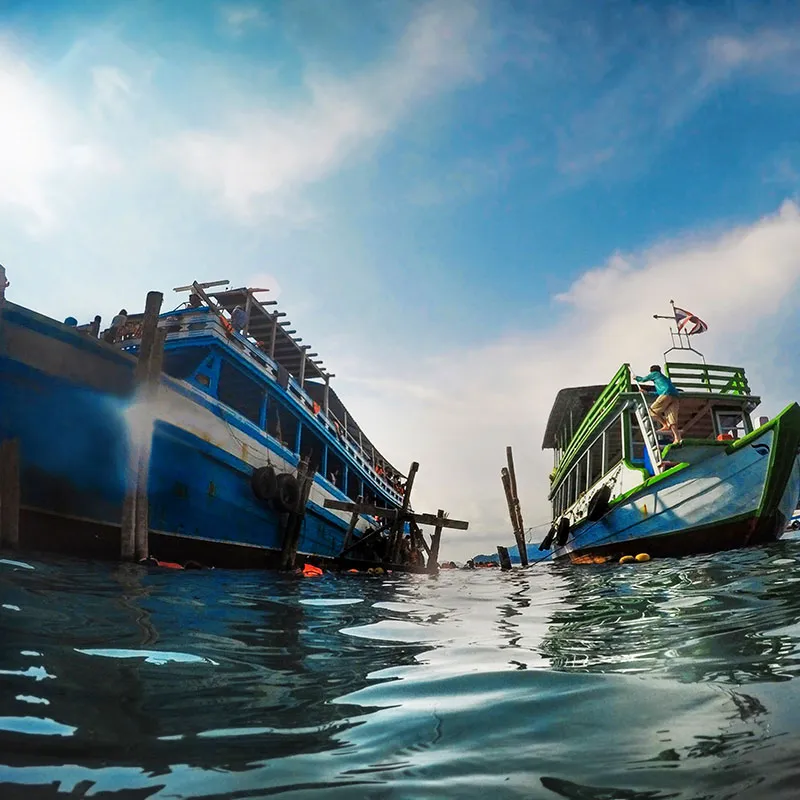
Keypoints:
pixel 548 540
pixel 264 483
pixel 599 504
pixel 287 494
pixel 562 532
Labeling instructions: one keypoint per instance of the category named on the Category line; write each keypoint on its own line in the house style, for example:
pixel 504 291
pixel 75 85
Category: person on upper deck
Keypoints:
pixel 238 319
pixel 666 406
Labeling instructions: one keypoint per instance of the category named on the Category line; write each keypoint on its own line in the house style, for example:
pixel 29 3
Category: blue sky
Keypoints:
pixel 430 187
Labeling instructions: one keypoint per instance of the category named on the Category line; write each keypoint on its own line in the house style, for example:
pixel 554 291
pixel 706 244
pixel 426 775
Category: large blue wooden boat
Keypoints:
pixel 234 414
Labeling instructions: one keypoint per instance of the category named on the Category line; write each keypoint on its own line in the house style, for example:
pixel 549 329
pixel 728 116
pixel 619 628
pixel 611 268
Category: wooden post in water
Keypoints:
pixel 505 561
pixel 135 518
pixel 397 532
pixel 9 494
pixel 294 522
pixel 433 557
pixel 348 537
pixel 509 477
pixel 153 379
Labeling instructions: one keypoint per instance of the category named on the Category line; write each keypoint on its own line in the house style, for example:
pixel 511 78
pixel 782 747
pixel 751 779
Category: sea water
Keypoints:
pixel 669 679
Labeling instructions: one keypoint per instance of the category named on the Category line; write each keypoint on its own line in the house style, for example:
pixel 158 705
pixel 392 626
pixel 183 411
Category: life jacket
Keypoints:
pixel 310 571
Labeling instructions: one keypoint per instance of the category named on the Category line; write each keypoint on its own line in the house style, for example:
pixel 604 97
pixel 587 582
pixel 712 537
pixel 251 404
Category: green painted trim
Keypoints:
pixel 696 443
pixel 637 468
pixel 599 413
pixel 649 482
pixel 785 444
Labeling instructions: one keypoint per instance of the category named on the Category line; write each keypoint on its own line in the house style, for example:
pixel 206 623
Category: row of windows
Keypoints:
pixel 604 453
pixel 248 397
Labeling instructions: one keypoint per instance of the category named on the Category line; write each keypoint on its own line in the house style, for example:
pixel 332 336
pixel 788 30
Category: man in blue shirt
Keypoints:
pixel 667 405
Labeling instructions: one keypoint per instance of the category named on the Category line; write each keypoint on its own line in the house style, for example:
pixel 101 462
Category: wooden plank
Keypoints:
pixel 512 512
pixel 152 382
pixel 294 520
pixel 391 513
pixel 397 530
pixel 373 532
pixel 9 494
pixel 349 535
pixel 505 560
pixel 133 517
pixel 433 557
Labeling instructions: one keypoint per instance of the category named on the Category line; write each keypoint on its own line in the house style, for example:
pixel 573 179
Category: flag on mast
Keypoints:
pixel 689 323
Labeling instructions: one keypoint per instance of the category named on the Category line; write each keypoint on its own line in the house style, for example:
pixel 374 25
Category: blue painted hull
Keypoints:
pixel 74 451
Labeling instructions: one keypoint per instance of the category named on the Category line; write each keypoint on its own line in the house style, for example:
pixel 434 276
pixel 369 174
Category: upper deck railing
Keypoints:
pixel 186 324
pixel 711 378
pixel 621 382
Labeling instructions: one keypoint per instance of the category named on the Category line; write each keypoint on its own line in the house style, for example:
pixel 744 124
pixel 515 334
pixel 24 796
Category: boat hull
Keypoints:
pixel 69 401
pixel 741 497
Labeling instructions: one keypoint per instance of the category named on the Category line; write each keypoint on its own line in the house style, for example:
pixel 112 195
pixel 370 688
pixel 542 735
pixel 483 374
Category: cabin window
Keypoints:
pixel 182 363
pixel 596 461
pixel 354 485
pixel 240 392
pixel 582 472
pixel 731 421
pixel 311 448
pixel 637 442
pixel 700 424
pixel 612 450
pixel 281 423
pixel 335 469
pixel 572 491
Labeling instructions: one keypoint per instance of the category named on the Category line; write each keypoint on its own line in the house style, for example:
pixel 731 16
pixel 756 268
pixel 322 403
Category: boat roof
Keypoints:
pixel 578 400
pixel 288 350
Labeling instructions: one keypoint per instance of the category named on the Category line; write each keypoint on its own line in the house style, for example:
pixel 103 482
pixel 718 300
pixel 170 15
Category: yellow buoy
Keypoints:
pixel 643 557
pixel 626 560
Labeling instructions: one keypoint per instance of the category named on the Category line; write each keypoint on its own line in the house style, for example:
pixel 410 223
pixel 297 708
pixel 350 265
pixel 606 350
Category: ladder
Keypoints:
pixel 648 429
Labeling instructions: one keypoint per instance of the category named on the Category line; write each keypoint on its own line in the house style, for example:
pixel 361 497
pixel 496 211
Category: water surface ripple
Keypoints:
pixel 672 679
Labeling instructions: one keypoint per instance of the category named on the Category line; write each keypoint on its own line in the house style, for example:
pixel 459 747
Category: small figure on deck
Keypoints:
pixel 238 319
pixel 664 409
pixel 4 284
pixel 117 326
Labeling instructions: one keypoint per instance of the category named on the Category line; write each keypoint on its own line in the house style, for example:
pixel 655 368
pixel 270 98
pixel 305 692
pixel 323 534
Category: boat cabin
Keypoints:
pixel 260 371
pixel 604 435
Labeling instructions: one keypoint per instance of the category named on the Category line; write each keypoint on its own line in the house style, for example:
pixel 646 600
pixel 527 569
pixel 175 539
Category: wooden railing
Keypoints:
pixel 711 378
pixel 620 383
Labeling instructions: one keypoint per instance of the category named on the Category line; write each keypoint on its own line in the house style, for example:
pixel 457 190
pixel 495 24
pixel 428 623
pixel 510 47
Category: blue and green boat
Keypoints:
pixel 618 490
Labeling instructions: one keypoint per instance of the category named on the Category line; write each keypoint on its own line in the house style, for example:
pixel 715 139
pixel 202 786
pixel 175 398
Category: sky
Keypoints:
pixel 463 206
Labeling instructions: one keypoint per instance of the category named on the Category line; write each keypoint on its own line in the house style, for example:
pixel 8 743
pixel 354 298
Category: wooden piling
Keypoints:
pixel 436 536
pixel 509 477
pixel 348 537
pixel 134 530
pixel 153 379
pixel 9 494
pixel 397 531
pixel 505 560
pixel 294 521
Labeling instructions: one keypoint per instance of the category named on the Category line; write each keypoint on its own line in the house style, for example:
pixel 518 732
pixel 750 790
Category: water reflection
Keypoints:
pixel 666 679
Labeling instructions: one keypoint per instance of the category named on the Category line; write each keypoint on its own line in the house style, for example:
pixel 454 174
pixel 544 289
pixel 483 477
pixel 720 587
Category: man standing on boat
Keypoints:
pixel 666 406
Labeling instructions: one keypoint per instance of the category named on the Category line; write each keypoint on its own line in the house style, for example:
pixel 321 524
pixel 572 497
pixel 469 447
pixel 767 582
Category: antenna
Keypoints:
pixel 680 339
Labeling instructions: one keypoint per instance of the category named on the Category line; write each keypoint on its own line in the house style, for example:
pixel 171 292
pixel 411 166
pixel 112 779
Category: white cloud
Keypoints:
pixel 42 142
pixel 240 17
pixel 111 89
pixel 266 154
pixel 457 411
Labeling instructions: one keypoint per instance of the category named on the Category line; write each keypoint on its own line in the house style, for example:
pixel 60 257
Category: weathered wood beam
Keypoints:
pixel 392 513
pixel 9 493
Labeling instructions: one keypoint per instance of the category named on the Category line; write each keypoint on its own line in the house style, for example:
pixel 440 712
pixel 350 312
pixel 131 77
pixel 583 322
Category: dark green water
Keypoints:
pixel 673 679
